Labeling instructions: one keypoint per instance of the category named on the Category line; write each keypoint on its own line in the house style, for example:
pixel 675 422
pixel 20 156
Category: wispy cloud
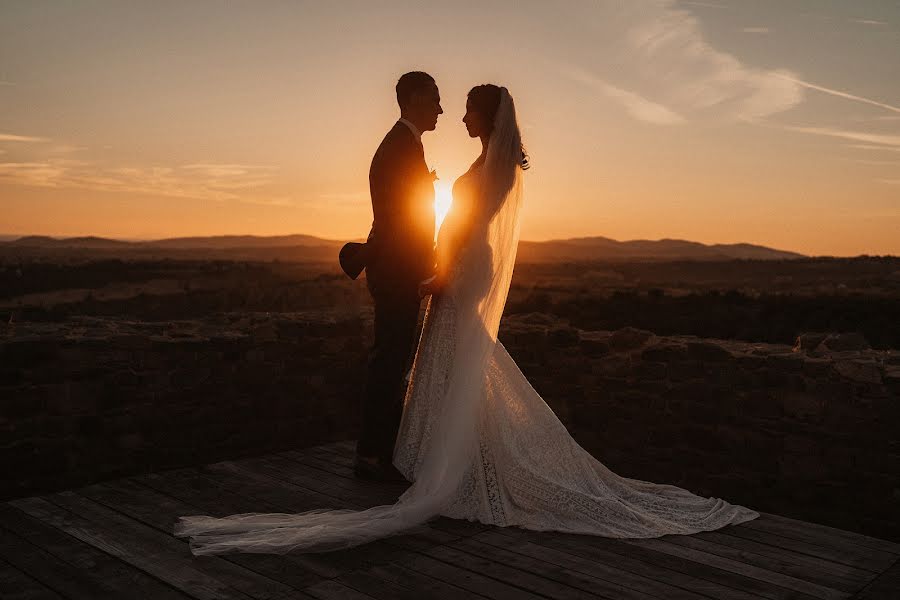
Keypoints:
pixel 871 147
pixel 890 181
pixel 11 137
pixel 881 118
pixel 866 161
pixel 67 149
pixel 207 181
pixel 40 174
pixel 6 83
pixel 759 30
pixel 839 93
pixel 652 58
pixel 282 201
pixel 869 22
pixel 705 4
pixel 890 141
pixel 636 105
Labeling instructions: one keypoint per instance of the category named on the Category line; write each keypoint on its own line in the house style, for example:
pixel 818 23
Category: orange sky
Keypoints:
pixel 712 121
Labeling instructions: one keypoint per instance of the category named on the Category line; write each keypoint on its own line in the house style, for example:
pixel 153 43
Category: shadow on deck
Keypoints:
pixel 113 540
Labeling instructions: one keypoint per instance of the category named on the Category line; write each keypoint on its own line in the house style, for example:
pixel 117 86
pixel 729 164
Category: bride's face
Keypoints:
pixel 474 121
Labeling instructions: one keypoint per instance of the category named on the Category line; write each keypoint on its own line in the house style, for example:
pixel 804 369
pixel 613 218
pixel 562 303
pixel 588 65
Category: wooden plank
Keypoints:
pixel 16 585
pixel 467 580
pixel 329 454
pixel 162 556
pixel 594 568
pixel 52 572
pixel 360 493
pixel 109 571
pixel 283 496
pixel 333 464
pixel 422 584
pixel 850 537
pixel 368 583
pixel 877 560
pixel 884 587
pixel 676 571
pixel 344 447
pixel 161 512
pixel 333 590
pixel 831 553
pixel 246 580
pixel 209 496
pixel 742 568
pixel 253 484
pixel 832 574
pixel 205 491
pixel 538 574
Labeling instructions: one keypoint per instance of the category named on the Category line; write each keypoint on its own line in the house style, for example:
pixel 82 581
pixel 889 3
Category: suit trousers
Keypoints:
pixel 396 317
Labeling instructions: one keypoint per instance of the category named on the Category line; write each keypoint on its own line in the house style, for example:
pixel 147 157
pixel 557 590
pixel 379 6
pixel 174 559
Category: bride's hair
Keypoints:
pixel 485 100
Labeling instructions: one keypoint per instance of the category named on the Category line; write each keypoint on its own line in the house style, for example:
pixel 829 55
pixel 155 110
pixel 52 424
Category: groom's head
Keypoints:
pixel 419 100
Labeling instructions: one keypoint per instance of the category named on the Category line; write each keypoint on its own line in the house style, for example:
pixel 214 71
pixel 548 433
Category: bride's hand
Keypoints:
pixel 431 286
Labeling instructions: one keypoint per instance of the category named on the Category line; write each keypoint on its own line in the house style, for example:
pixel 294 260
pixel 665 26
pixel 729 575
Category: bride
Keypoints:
pixel 476 439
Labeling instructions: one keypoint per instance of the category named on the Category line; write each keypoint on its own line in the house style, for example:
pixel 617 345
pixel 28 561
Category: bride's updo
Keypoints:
pixel 485 100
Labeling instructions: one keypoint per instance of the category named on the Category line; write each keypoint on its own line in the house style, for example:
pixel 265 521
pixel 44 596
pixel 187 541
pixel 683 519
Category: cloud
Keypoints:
pixel 890 181
pixel 868 22
pixel 840 93
pixel 10 137
pixel 226 170
pixel 637 106
pixel 871 147
pixel 40 174
pixel 6 83
pixel 866 161
pixel 283 201
pixel 208 181
pixel 889 141
pixel 67 149
pixel 652 58
pixel 760 30
pixel 706 4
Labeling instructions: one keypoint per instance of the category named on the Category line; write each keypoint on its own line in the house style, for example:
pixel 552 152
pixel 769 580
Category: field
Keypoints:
pixel 752 300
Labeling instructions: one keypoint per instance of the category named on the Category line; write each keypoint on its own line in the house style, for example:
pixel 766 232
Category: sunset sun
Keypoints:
pixel 443 197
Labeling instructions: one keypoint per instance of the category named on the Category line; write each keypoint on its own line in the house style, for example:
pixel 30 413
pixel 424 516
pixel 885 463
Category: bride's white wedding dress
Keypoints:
pixel 476 439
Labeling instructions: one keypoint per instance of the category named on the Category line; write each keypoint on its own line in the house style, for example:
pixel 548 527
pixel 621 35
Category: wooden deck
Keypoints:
pixel 113 540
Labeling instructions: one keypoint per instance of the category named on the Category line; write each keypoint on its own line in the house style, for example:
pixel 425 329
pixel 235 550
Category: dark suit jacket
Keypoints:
pixel 401 242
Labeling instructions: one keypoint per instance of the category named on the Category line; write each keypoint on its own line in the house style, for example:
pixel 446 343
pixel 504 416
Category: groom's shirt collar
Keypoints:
pixel 413 128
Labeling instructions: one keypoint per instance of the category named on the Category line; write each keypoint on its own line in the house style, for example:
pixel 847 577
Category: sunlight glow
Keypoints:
pixel 443 197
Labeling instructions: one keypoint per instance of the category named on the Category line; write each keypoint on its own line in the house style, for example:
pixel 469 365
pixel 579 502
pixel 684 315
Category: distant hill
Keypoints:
pixel 310 248
pixel 241 241
pixel 43 241
pixel 601 248
pixel 219 241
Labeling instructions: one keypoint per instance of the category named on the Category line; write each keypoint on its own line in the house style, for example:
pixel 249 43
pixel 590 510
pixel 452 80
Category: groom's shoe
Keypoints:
pixel 377 471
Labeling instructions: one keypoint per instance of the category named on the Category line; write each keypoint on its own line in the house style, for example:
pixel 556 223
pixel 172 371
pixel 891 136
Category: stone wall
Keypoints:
pixel 811 432
pixel 97 398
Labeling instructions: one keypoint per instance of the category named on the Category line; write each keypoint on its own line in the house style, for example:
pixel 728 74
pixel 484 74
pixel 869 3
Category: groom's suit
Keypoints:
pixel 399 256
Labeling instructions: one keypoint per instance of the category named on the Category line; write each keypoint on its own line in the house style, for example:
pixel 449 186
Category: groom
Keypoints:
pixel 398 257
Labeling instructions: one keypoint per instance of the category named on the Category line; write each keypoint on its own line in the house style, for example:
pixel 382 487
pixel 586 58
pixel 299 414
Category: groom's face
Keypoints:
pixel 428 106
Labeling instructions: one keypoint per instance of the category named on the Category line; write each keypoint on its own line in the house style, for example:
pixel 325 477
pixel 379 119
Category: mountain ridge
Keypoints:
pixel 580 248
